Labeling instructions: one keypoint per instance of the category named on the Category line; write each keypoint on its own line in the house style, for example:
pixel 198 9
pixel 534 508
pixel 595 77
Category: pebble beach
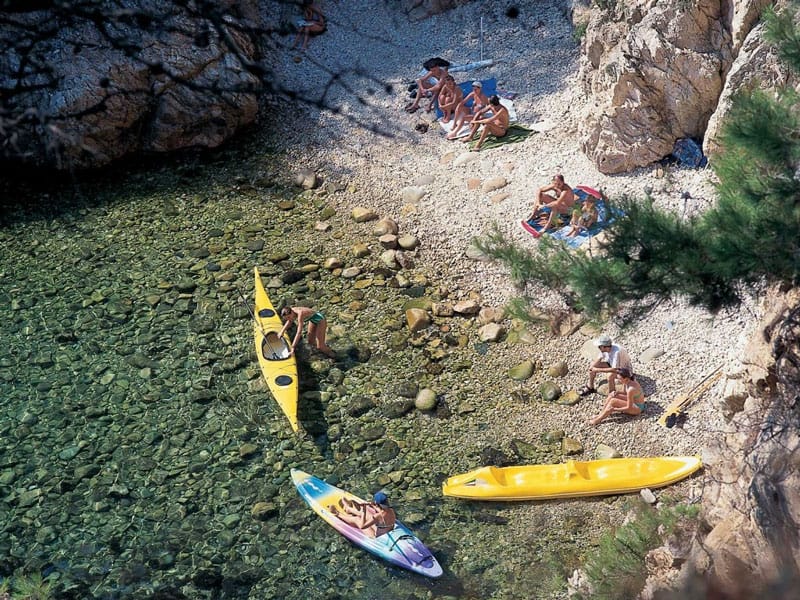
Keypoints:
pixel 373 148
pixel 142 453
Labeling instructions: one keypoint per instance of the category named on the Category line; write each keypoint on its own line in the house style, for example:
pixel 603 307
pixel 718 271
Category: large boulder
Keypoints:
pixel 655 71
pixel 656 74
pixel 154 78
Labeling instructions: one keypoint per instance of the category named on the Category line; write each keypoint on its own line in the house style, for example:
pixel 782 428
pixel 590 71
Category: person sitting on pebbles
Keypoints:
pixel 629 400
pixel 312 23
pixel 464 113
pixel 375 518
pixel 494 118
pixel 317 328
pixel 560 201
pixel 612 357
pixel 449 98
pixel 430 83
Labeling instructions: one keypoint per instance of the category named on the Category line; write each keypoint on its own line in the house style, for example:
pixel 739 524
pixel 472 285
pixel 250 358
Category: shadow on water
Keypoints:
pixel 310 406
pixel 28 196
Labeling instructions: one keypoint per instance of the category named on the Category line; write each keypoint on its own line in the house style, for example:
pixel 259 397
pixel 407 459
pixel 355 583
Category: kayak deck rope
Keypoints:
pixel 407 536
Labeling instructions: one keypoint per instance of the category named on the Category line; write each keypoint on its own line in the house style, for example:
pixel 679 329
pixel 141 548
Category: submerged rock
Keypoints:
pixel 425 400
pixel 522 371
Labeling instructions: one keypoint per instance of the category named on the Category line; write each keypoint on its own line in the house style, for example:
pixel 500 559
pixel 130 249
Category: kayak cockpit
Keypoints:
pixel 274 347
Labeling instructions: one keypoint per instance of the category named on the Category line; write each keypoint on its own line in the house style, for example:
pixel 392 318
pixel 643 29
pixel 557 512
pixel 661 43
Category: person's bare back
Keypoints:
pixel 495 120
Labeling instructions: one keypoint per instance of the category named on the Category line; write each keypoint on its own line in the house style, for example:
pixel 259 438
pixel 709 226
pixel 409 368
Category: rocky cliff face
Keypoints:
pixel 752 505
pixel 88 86
pixel 656 72
pixel 748 540
pixel 85 87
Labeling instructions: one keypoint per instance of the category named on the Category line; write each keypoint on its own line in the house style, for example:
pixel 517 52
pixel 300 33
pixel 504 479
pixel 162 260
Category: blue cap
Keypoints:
pixel 380 498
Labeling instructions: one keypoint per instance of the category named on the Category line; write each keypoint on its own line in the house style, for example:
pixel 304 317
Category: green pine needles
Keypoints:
pixel 21 587
pixel 751 235
pixel 617 568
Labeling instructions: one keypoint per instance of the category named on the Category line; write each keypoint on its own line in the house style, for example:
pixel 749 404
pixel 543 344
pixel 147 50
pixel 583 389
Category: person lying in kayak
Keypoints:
pixel 317 327
pixel 375 518
pixel 628 400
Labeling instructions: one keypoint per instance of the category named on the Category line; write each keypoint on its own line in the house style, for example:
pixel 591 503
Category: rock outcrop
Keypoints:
pixel 90 88
pixel 656 72
pixel 756 67
pixel 751 503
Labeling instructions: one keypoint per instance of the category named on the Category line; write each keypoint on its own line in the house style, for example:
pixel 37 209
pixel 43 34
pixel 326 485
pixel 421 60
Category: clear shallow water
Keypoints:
pixel 137 434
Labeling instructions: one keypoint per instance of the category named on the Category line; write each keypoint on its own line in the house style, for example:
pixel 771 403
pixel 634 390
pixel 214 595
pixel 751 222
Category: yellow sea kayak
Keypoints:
pixel 277 365
pixel 570 479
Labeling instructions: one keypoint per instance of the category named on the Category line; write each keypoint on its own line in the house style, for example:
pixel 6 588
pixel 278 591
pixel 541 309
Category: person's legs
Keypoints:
pixel 422 86
pixel 541 199
pixel 612 402
pixel 473 128
pixel 458 121
pixel 484 134
pixel 321 334
pixel 551 215
pixel 612 382
pixel 597 364
pixel 297 38
pixel 435 90
pixel 355 521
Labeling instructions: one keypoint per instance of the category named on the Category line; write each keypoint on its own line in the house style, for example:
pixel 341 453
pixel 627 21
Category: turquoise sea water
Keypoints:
pixel 136 431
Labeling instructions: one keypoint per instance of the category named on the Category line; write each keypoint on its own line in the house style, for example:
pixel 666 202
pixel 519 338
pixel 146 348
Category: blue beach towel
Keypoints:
pixel 489 88
pixel 605 216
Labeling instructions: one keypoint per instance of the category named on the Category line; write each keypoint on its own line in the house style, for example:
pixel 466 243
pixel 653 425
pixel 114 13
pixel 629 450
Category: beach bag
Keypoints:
pixel 688 153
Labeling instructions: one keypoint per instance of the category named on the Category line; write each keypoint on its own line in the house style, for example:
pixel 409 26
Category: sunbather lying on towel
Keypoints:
pixel 494 118
pixel 560 201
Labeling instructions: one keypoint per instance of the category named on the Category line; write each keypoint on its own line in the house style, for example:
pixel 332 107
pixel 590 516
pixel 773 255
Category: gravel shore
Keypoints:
pixel 373 148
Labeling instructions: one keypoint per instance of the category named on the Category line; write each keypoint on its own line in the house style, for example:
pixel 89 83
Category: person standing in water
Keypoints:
pixel 317 327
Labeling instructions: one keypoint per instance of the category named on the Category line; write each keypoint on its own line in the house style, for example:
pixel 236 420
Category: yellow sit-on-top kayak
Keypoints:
pixel 278 366
pixel 571 479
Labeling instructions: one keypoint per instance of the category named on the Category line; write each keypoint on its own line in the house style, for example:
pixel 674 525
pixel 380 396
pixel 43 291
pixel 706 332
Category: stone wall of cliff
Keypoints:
pixel 660 71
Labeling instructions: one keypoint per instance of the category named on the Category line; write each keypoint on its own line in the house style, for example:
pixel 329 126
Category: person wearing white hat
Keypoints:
pixel 466 110
pixel 612 357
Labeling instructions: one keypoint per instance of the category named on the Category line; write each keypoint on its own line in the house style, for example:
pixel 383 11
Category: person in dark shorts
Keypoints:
pixel 317 327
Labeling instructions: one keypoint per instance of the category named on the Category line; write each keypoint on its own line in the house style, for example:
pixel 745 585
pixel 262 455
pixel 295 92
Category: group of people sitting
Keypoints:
pixel 557 199
pixel 625 394
pixel 475 109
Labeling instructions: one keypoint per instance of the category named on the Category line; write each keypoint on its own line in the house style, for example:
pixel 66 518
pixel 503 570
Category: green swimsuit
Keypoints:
pixel 639 396
pixel 316 318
